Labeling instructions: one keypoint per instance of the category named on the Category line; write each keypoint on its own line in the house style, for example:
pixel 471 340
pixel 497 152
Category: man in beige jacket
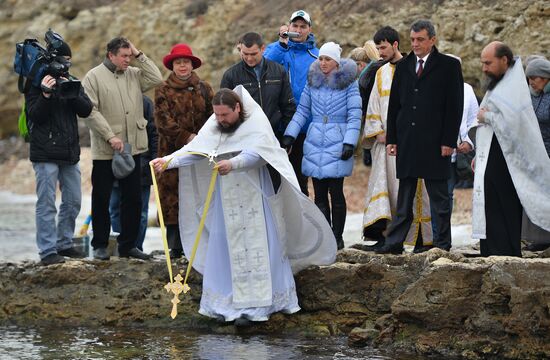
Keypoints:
pixel 115 89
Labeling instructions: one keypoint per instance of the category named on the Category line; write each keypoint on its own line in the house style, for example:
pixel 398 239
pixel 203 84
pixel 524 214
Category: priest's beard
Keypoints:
pixel 230 128
pixel 490 81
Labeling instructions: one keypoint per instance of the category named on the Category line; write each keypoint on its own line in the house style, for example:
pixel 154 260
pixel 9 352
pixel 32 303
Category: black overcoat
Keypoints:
pixel 424 114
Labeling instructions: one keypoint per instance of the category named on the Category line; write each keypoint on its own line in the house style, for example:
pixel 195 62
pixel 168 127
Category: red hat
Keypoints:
pixel 181 51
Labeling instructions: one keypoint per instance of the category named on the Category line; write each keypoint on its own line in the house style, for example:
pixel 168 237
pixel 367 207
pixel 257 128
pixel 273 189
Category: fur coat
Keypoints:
pixel 181 109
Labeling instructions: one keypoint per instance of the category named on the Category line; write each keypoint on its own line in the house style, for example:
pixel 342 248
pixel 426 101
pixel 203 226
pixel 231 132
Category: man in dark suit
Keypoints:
pixel 424 115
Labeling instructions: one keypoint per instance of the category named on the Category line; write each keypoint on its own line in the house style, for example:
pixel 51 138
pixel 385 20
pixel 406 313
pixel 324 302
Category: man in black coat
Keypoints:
pixel 425 110
pixel 54 153
pixel 268 84
pixel 265 80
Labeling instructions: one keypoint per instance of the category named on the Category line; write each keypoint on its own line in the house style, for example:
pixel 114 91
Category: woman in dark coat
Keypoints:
pixel 182 106
pixel 538 74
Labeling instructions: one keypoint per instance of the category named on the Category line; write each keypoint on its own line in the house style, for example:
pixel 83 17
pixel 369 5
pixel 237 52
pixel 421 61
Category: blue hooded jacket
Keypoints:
pixel 334 105
pixel 296 59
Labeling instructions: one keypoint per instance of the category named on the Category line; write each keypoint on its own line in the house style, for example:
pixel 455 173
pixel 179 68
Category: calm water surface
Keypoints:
pixel 137 343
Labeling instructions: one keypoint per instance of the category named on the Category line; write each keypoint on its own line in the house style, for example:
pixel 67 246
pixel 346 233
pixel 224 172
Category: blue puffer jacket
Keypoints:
pixel 334 104
pixel 296 59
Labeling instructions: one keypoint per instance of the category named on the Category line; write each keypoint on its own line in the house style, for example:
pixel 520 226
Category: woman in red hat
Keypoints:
pixel 182 106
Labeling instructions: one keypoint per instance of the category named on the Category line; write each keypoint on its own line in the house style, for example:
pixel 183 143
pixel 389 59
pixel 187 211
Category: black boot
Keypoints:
pixel 338 222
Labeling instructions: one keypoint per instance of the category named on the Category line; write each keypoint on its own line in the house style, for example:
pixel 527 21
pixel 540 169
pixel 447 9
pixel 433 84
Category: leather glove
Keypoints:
pixel 287 142
pixel 347 151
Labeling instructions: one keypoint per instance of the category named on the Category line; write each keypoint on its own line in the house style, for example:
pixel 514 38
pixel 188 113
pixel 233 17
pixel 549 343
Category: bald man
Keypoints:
pixel 512 168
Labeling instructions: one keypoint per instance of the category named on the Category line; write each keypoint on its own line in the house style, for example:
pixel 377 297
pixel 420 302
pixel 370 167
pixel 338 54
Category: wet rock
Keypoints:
pixel 435 303
pixel 361 337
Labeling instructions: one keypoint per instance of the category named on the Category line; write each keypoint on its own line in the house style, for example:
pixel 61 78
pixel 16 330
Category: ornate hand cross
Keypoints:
pixel 176 288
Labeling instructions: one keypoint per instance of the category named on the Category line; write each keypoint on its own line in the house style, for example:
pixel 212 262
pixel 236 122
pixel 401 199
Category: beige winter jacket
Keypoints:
pixel 118 105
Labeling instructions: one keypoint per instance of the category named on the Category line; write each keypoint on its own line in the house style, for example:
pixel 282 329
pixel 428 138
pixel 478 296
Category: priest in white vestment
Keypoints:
pixel 381 199
pixel 512 168
pixel 255 237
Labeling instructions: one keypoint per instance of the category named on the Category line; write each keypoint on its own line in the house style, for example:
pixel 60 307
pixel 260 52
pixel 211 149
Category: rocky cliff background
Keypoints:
pixel 211 27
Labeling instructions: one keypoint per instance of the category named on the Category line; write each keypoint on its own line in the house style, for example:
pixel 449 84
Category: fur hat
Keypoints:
pixel 123 163
pixel 332 50
pixel 538 67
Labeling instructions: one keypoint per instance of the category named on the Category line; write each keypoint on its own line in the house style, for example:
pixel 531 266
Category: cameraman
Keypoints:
pixel 54 153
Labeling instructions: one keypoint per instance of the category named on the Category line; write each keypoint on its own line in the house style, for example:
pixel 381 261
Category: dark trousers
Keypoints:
pixel 503 210
pixel 173 237
pixel 130 205
pixel 295 158
pixel 334 186
pixel 451 182
pixel 441 210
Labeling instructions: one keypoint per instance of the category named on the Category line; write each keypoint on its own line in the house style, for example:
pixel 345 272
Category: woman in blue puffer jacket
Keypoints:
pixel 332 101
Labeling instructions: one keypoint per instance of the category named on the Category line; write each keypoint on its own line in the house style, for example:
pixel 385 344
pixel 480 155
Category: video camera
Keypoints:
pixel 33 62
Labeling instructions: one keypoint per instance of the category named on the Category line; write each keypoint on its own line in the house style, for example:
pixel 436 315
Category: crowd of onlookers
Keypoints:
pixel 409 115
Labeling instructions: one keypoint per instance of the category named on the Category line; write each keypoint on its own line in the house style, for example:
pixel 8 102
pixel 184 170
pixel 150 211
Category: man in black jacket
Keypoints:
pixel 424 115
pixel 54 153
pixel 265 80
pixel 268 84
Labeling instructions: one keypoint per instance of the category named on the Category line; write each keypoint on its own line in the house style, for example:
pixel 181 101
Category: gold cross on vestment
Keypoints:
pixel 211 155
pixel 176 288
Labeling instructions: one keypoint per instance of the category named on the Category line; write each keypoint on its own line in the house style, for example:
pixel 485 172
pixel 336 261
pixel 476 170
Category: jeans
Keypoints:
pixel 52 237
pixel 114 211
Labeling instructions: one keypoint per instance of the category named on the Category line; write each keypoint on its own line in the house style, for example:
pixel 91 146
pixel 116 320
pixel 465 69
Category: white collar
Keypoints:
pixel 425 58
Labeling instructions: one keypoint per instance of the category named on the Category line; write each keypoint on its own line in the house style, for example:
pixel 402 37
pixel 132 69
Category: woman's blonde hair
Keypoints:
pixel 371 50
pixel 359 54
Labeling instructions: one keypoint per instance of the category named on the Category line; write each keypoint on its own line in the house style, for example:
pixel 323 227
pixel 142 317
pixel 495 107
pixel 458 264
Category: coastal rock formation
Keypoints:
pixel 212 27
pixel 433 303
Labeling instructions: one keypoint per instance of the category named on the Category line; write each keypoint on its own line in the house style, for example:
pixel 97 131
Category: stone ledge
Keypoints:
pixel 432 303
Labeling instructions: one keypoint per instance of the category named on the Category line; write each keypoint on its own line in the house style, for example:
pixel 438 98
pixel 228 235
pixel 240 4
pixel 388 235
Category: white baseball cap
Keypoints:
pixel 301 14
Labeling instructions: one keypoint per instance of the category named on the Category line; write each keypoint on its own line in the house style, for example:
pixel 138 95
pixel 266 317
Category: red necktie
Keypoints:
pixel 420 68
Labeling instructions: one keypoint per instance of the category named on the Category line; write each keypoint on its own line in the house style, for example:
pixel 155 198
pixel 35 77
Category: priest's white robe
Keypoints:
pixel 510 116
pixel 381 198
pixel 253 239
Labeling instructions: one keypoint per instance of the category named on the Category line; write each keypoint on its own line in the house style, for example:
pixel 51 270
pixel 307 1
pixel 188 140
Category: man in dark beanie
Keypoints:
pixel 54 153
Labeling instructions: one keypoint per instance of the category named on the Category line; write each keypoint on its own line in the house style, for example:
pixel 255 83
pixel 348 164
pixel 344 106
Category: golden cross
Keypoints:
pixel 176 288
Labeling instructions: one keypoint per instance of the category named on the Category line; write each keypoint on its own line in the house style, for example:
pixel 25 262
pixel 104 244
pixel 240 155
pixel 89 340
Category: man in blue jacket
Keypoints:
pixel 296 53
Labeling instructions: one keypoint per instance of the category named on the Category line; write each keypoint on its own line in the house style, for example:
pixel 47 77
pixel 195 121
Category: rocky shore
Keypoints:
pixel 435 303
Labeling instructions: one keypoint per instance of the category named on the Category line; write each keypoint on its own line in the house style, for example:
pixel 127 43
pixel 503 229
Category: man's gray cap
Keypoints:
pixel 123 162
